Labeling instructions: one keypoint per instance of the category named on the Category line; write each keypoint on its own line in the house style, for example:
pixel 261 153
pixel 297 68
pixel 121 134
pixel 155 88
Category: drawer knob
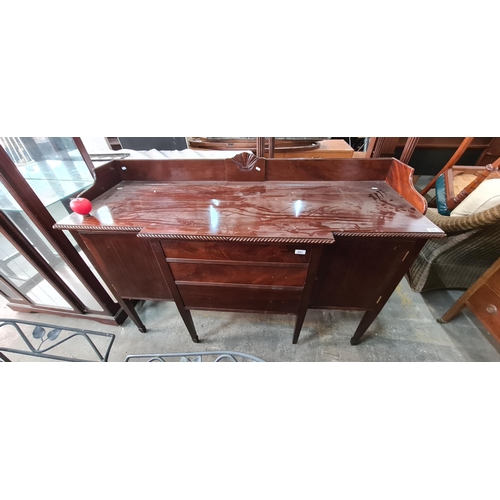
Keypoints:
pixel 491 309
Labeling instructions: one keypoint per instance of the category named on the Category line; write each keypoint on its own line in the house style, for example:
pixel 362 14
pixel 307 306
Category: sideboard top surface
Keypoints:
pixel 288 210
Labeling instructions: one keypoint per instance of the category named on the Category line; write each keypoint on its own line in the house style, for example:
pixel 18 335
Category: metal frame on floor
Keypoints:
pixel 231 356
pixel 44 332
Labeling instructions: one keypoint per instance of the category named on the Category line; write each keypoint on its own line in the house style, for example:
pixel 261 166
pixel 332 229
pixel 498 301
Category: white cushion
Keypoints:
pixel 182 154
pixel 133 154
pixel 96 145
pixel 219 153
pixel 485 196
pixel 153 154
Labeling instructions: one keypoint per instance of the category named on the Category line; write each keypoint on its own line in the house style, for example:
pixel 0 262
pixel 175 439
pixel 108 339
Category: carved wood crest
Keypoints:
pixel 245 161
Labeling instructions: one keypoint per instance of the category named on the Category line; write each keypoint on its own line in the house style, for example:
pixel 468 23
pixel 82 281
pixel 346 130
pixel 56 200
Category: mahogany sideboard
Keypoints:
pixel 254 234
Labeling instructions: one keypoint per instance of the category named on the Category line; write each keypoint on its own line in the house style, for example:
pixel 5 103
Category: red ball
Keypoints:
pixel 81 206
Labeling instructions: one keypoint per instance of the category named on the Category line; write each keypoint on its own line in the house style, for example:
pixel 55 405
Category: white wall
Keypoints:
pixel 96 144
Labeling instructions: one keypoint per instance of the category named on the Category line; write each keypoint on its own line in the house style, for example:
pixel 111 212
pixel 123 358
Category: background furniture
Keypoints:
pixel 329 148
pixel 283 148
pixel 449 183
pixel 431 153
pixel 472 246
pixel 455 158
pixel 254 234
pixel 483 299
pixel 147 143
pixel 460 182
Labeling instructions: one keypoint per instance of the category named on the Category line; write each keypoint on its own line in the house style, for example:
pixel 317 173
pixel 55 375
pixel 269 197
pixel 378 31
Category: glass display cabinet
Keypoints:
pixel 43 270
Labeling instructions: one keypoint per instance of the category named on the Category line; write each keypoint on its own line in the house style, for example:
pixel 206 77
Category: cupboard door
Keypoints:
pixel 355 271
pixel 129 265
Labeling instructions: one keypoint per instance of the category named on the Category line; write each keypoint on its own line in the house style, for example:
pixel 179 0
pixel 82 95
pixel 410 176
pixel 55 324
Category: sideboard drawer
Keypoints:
pixel 238 298
pixel 255 252
pixel 254 274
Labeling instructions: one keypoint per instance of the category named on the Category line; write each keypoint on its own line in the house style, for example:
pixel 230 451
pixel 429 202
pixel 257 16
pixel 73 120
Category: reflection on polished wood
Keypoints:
pixel 255 234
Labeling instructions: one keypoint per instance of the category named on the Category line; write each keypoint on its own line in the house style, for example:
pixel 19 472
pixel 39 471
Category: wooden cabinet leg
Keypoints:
pixel 298 326
pixel 188 321
pixel 365 322
pixel 452 311
pixel 128 307
pixel 308 288
pixel 169 278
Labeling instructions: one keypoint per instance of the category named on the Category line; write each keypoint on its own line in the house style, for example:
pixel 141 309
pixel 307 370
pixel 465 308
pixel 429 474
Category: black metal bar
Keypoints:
pixel 4 358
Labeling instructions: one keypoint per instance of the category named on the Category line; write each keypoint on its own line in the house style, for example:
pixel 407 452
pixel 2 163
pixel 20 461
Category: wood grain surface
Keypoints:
pixel 291 210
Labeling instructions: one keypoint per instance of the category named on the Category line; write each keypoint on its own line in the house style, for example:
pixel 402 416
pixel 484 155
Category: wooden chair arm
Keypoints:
pixel 452 161
pixel 486 173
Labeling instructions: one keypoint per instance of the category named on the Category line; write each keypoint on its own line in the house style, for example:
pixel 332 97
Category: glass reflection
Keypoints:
pixel 214 218
pixel 298 205
pixel 16 270
pixel 104 215
pixel 53 167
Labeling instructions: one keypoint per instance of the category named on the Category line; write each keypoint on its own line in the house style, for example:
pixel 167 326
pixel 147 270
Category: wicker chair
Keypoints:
pixel 472 246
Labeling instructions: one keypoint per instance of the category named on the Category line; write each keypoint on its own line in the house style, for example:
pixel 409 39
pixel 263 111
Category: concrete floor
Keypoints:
pixel 405 330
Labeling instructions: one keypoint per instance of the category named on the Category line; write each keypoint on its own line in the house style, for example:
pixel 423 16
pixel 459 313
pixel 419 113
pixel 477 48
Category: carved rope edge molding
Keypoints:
pixel 241 239
pixel 245 161
pixel 430 234
pixel 97 228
